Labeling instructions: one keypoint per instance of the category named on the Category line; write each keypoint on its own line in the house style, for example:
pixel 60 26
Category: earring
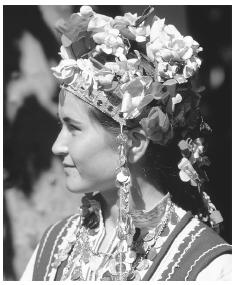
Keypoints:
pixel 126 229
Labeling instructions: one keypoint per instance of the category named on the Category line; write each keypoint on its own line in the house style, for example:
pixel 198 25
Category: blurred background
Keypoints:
pixel 34 192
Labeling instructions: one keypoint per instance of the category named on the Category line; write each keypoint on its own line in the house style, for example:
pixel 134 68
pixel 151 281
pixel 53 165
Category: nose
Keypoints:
pixel 60 146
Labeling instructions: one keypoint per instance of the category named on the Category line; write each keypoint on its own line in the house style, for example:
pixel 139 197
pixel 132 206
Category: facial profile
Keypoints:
pixel 87 150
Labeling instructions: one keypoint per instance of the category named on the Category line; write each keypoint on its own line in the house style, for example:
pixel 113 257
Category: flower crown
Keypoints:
pixel 122 65
pixel 136 68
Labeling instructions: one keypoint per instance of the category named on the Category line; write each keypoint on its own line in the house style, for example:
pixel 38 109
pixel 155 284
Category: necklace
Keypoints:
pixel 155 234
pixel 120 265
pixel 83 252
pixel 137 261
pixel 144 260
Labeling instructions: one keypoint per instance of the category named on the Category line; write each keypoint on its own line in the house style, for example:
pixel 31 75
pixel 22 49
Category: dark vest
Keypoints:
pixel 193 254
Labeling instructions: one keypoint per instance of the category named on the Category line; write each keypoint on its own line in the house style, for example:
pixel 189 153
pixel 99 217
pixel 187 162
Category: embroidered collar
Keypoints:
pixel 149 219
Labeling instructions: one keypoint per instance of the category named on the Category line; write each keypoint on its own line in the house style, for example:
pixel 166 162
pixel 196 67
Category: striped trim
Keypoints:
pixel 54 246
pixel 45 240
pixel 202 255
pixel 149 276
pixel 180 241
pixel 193 238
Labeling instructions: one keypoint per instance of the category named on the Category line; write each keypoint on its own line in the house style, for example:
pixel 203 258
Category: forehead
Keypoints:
pixel 71 106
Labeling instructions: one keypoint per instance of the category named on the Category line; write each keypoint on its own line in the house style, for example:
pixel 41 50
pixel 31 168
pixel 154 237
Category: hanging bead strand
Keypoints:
pixel 125 228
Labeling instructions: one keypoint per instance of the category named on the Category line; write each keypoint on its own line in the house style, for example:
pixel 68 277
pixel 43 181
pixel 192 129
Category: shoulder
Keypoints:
pixel 60 225
pixel 199 246
pixel 219 269
pixel 191 247
pixel 56 230
pixel 49 242
pixel 190 230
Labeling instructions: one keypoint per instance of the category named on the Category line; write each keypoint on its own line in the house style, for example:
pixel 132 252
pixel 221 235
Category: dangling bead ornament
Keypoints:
pixel 125 230
pixel 215 218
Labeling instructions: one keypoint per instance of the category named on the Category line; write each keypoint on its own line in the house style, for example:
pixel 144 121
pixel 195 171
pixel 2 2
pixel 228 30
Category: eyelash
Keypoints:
pixel 73 128
pixel 69 126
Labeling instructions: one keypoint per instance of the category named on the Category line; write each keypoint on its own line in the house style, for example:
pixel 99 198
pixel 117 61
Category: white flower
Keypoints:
pixel 130 104
pixel 156 29
pixel 65 70
pixel 175 100
pixel 171 50
pixel 87 72
pixel 86 11
pixel 167 43
pixel 128 19
pixel 110 42
pixel 113 66
pixel 165 70
pixel 126 68
pixel 104 77
pixel 63 52
pixel 99 23
pixel 187 172
pixel 191 66
pixel 172 31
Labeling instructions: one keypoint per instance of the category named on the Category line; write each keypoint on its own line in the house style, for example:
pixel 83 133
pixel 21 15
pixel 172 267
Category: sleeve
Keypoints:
pixel 28 273
pixel 219 269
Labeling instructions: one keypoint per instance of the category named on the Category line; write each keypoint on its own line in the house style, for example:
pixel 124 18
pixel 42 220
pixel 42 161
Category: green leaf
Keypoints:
pixel 147 12
pixel 148 68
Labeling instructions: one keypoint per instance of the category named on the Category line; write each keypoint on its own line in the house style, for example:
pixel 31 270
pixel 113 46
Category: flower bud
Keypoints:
pixel 86 11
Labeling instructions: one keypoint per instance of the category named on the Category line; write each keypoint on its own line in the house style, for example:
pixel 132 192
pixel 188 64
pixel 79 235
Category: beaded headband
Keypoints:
pixel 137 68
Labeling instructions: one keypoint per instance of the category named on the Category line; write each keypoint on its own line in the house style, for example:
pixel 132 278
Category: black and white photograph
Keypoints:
pixel 117 142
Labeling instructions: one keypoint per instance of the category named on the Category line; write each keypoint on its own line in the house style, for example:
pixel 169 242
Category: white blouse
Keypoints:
pixel 218 270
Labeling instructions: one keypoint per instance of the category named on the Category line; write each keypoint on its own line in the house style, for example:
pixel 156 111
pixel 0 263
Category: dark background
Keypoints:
pixel 29 134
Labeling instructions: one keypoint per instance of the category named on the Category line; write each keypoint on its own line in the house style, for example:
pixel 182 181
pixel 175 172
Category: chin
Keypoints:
pixel 78 188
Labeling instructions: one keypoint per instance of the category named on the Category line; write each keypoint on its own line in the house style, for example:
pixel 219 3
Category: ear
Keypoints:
pixel 137 143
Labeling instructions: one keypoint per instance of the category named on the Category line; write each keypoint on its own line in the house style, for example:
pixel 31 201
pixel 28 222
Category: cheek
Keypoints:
pixel 93 158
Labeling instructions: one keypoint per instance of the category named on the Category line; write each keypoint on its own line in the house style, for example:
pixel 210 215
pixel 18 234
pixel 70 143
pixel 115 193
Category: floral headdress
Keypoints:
pixel 137 68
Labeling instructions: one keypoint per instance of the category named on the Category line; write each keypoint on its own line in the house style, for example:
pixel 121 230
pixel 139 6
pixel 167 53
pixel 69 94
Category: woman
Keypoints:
pixel 126 101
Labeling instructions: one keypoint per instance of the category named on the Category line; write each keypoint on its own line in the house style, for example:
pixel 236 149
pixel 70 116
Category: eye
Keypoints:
pixel 72 127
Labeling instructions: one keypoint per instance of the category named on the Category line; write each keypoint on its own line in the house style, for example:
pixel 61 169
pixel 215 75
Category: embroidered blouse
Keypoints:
pixel 185 250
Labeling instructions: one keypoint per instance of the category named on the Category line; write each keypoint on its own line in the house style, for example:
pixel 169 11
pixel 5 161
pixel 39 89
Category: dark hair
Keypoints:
pixel 159 165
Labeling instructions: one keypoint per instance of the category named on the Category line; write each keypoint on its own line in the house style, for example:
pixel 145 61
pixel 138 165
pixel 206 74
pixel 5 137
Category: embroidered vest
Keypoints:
pixel 188 249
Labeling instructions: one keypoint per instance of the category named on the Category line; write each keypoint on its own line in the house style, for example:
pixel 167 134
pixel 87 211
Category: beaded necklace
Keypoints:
pixel 78 250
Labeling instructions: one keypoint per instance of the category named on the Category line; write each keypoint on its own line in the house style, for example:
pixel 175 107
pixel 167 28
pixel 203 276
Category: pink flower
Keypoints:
pixel 157 126
pixel 133 96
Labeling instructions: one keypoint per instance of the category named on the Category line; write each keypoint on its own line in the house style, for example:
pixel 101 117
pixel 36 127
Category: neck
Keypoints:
pixel 143 196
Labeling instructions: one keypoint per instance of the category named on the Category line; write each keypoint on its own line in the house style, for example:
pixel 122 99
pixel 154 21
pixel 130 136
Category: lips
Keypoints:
pixel 68 165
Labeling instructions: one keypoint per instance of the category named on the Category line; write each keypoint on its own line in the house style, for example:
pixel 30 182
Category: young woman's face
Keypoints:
pixel 87 150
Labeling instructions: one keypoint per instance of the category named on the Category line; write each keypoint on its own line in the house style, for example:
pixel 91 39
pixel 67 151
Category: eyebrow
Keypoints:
pixel 67 119
pixel 71 120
